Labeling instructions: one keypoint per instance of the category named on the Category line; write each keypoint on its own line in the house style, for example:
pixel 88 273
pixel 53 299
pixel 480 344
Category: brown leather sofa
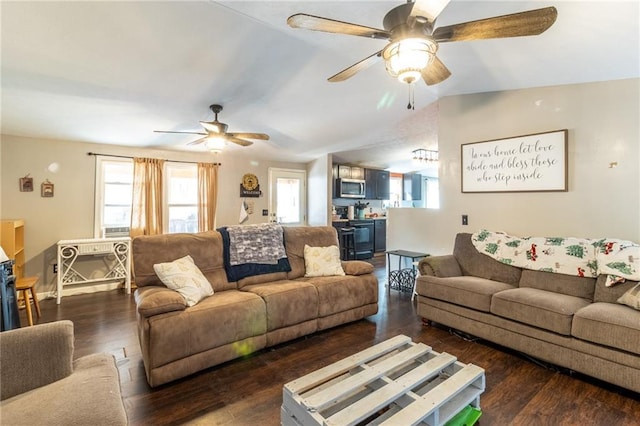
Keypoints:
pixel 570 321
pixel 244 316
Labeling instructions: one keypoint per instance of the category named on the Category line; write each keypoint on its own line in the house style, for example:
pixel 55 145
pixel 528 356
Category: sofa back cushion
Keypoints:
pixel 559 283
pixel 204 247
pixel 295 239
pixel 613 293
pixel 472 262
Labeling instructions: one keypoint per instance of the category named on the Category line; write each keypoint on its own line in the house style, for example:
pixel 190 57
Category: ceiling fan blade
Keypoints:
pixel 358 66
pixel 197 141
pixel 188 133
pixel 317 23
pixel 260 136
pixel 214 126
pixel 436 72
pixel 429 9
pixel 239 141
pixel 533 22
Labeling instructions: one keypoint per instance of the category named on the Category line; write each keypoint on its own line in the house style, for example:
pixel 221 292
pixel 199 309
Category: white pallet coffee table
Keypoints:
pixel 396 382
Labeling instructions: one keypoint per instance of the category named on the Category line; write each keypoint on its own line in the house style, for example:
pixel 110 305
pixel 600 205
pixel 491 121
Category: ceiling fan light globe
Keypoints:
pixel 215 144
pixel 405 59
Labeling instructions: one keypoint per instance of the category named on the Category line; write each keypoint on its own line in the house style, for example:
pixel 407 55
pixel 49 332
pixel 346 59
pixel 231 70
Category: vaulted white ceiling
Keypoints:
pixel 112 72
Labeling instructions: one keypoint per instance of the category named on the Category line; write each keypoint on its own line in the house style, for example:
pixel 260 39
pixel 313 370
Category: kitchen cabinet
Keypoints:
pixel 344 171
pixel 380 235
pixel 412 186
pixel 377 184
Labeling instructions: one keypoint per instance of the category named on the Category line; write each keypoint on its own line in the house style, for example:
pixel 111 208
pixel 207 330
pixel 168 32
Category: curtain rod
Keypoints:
pixel 129 156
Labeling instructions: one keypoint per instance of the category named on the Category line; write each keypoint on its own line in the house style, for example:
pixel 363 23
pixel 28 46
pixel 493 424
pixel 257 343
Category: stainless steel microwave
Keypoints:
pixel 350 188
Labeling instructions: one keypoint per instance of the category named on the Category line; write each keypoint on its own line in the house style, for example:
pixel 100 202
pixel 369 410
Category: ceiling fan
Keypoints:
pixel 216 133
pixel 413 41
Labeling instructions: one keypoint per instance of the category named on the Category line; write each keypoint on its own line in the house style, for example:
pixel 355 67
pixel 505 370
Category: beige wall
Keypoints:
pixel 602 119
pixel 69 214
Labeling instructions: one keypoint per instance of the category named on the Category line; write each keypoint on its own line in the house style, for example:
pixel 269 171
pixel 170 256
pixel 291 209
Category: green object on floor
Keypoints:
pixel 467 417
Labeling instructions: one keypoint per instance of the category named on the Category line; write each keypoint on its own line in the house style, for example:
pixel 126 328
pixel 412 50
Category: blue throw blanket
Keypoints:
pixel 236 272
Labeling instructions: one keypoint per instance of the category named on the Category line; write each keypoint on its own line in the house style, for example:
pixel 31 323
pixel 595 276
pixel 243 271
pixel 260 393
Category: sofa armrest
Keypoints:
pixel 155 300
pixel 440 266
pixel 35 356
pixel 357 267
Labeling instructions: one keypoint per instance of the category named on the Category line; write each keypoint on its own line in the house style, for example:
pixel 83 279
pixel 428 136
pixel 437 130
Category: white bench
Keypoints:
pixel 396 382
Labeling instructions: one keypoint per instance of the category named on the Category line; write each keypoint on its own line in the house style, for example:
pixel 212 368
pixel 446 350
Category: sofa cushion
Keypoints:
pixel 474 263
pixel 322 261
pixel 287 302
pixel 357 267
pixel 559 283
pixel 296 237
pixel 613 293
pixel 204 247
pixel 608 324
pixel 226 317
pixel 342 293
pixel 539 308
pixel 184 277
pixel 472 292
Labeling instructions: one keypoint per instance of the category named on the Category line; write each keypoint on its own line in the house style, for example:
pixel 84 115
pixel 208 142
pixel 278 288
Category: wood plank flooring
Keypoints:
pixel 248 391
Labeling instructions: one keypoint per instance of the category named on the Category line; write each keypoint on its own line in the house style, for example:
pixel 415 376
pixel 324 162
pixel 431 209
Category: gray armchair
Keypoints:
pixel 42 384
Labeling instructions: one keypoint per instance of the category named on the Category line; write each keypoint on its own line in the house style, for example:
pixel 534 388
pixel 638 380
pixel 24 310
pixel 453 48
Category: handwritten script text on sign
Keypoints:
pixel 533 162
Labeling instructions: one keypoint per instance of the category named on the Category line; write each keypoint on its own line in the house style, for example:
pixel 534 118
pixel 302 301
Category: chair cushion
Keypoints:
pixel 559 283
pixel 539 308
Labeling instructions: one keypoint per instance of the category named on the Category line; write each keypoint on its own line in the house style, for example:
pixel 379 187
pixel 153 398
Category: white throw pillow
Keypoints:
pixel 322 261
pixel 183 276
pixel 631 298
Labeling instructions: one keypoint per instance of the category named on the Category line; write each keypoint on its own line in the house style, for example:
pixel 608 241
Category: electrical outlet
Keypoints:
pixel 465 219
pixel 55 268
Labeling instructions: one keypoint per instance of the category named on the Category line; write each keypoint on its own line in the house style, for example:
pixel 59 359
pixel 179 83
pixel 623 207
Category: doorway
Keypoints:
pixel 287 196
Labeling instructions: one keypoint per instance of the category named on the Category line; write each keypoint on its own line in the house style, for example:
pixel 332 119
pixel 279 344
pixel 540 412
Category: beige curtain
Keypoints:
pixel 146 212
pixel 207 196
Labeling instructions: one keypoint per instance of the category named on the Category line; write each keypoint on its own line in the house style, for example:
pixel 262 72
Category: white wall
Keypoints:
pixel 602 119
pixel 319 191
pixel 70 213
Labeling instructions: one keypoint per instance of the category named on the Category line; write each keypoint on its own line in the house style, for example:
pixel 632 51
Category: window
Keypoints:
pixel 431 193
pixel 114 191
pixel 181 197
pixel 287 196
pixel 114 187
pixel 395 190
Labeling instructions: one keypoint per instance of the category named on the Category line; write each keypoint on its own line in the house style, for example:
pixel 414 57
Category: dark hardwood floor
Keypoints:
pixel 248 391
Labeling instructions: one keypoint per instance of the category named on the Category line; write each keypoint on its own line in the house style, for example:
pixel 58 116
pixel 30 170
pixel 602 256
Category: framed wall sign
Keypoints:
pixel 46 189
pixel 536 162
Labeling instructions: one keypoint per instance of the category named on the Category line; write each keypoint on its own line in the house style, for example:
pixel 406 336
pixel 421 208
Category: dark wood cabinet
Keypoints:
pixel 412 186
pixel 380 235
pixel 377 184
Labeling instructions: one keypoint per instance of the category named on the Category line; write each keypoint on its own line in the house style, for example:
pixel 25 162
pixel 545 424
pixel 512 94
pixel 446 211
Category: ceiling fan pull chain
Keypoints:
pixel 412 98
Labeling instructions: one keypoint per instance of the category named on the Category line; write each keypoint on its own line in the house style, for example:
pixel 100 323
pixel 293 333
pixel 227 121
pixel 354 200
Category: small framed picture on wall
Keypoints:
pixel 46 189
pixel 26 184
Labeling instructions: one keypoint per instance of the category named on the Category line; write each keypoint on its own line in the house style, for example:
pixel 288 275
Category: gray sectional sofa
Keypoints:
pixel 241 316
pixel 570 321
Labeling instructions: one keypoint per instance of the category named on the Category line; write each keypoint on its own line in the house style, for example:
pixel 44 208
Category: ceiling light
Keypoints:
pixel 215 144
pixel 424 156
pixel 405 59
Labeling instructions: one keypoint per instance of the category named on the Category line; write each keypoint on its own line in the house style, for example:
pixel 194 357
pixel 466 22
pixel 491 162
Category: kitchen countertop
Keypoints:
pixel 370 218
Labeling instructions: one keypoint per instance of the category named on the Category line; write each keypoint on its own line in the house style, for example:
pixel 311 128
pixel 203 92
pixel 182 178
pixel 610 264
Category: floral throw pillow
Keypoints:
pixel 183 276
pixel 322 261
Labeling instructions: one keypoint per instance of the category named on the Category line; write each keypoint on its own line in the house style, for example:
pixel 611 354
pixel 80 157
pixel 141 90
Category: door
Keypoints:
pixel 287 196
